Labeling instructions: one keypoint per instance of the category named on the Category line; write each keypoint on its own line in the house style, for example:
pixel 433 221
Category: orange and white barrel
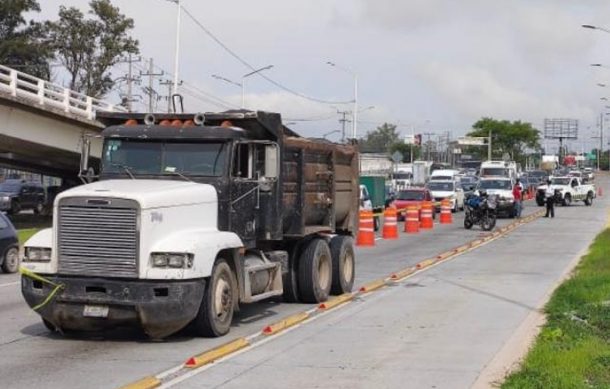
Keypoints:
pixel 366 229
pixel 412 219
pixel 446 217
pixel 390 224
pixel 426 215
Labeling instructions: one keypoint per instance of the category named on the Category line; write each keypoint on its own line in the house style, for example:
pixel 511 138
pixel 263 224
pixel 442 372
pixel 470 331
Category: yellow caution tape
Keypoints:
pixel 57 287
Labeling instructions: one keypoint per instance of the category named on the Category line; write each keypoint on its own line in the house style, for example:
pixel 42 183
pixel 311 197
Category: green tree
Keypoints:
pixel 89 47
pixel 22 43
pixel 380 140
pixel 512 138
pixel 405 150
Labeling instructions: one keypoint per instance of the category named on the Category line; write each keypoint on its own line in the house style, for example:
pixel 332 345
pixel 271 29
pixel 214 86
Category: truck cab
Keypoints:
pixel 192 215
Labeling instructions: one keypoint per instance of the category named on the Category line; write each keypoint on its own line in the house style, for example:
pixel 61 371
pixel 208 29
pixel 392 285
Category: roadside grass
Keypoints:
pixel 26 234
pixel 573 348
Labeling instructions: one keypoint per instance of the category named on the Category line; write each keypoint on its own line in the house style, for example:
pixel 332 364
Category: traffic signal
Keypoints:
pixel 418 139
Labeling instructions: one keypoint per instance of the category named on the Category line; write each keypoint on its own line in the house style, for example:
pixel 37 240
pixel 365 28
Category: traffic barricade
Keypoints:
pixel 390 224
pixel 366 229
pixel 412 219
pixel 426 215
pixel 446 217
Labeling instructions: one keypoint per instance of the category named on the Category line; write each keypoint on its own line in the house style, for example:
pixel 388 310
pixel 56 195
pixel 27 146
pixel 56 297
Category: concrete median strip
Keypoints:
pixel 216 353
pixel 197 363
pixel 144 383
pixel 288 322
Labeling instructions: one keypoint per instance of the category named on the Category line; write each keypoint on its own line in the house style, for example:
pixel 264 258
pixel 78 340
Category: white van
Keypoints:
pixel 445 175
pixel 498 169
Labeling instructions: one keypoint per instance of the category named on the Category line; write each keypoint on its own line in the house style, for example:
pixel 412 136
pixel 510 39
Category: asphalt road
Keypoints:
pixel 30 356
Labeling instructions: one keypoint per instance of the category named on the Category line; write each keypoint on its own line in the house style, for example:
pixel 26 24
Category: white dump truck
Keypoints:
pixel 190 216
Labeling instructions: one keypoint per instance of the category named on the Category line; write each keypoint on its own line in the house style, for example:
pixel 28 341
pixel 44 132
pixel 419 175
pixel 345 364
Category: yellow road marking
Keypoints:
pixel 330 304
pixel 144 383
pixel 285 323
pixel 371 286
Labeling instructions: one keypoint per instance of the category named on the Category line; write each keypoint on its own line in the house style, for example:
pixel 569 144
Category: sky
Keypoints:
pixel 426 65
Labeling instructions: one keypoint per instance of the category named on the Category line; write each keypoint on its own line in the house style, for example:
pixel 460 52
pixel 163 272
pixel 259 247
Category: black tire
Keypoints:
pixel 489 222
pixel 290 278
pixel 589 199
pixel 210 320
pixel 467 223
pixel 50 326
pixel 344 264
pixel 10 260
pixel 15 208
pixel 39 209
pixel 315 272
pixel 567 200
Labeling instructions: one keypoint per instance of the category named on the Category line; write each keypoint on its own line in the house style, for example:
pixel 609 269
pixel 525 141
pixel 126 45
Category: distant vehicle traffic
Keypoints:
pixel 9 246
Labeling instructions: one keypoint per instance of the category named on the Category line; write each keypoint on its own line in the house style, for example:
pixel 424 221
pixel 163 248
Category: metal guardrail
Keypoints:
pixel 47 94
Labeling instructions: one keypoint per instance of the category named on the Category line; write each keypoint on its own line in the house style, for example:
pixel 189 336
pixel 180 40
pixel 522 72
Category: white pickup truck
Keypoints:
pixel 570 189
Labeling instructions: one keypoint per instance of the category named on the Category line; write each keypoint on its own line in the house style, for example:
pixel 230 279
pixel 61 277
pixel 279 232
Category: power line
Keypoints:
pixel 251 67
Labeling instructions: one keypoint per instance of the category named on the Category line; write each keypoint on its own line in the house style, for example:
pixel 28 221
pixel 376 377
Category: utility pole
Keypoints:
pixel 130 78
pixel 151 77
pixel 344 120
pixel 170 85
pixel 428 145
pixel 177 55
pixel 601 139
pixel 489 147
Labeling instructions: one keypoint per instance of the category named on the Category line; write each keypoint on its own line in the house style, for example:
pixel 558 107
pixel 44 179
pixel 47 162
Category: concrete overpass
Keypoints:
pixel 42 124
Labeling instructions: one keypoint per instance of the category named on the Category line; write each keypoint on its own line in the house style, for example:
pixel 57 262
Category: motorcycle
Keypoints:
pixel 482 212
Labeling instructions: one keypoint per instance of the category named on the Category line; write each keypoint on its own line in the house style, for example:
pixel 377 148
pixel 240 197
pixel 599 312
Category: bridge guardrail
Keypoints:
pixel 45 93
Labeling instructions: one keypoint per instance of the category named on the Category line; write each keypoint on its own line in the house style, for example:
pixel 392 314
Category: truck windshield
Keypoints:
pixel 560 181
pixel 411 195
pixel 495 184
pixel 494 171
pixel 441 186
pixel 146 157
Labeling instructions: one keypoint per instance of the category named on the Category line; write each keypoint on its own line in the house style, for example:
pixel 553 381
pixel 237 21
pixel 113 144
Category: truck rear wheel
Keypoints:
pixel 290 277
pixel 315 272
pixel 344 264
pixel 219 301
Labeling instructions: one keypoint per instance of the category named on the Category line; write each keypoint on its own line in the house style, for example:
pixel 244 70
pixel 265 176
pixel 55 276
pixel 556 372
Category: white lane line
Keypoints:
pixel 10 284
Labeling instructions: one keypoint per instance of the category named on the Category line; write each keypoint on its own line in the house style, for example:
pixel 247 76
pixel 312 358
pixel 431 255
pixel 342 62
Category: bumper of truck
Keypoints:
pixel 161 308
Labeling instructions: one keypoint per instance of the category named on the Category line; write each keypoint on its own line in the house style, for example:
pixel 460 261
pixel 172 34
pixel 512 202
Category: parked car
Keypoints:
pixel 411 196
pixel 18 195
pixel 9 245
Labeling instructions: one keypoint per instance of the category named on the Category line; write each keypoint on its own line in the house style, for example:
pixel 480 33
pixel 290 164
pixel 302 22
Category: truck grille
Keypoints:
pixel 98 240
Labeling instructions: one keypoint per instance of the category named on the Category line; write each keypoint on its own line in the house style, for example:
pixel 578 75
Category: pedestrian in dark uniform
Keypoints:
pixel 549 196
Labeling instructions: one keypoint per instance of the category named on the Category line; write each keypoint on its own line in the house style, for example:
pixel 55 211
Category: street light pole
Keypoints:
pixel 177 55
pixel 243 83
pixel 355 114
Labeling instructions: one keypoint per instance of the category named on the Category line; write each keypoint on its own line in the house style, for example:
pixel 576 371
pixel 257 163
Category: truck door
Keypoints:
pixel 254 173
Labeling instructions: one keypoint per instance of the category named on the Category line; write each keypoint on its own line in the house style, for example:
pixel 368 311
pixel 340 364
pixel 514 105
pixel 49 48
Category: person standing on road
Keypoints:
pixel 549 196
pixel 518 195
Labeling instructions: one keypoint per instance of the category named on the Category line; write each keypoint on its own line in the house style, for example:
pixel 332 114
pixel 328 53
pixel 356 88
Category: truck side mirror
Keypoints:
pixel 271 161
pixel 86 173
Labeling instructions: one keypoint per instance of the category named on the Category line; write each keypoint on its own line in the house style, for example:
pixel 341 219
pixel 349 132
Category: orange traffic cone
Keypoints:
pixel 412 219
pixel 426 221
pixel 446 217
pixel 366 229
pixel 390 224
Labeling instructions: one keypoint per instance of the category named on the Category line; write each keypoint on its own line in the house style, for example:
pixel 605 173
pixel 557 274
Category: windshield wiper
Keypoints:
pixel 126 168
pixel 179 174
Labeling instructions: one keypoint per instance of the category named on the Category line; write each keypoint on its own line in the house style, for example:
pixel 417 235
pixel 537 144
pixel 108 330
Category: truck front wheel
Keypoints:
pixel 315 272
pixel 216 310
pixel 344 265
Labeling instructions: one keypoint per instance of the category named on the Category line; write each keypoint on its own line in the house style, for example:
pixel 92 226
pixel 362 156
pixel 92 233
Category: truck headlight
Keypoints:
pixel 37 254
pixel 173 260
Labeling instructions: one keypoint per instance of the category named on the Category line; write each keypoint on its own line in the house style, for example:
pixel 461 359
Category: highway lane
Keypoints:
pixel 438 329
pixel 112 359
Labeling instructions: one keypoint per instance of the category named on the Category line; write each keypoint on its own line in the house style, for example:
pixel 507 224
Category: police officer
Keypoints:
pixel 549 196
